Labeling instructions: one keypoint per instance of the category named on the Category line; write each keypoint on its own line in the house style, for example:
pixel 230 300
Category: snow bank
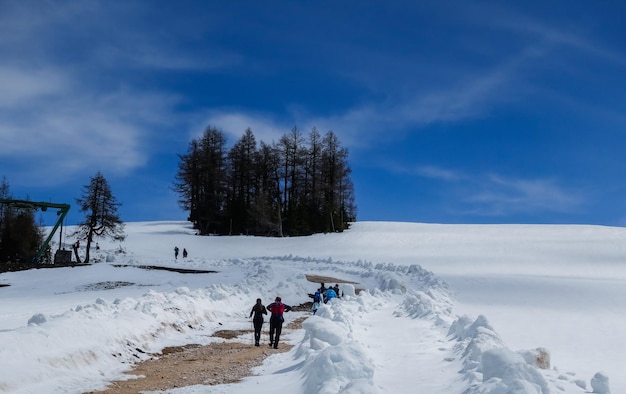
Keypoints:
pixel 492 368
pixel 95 339
pixel 600 383
pixel 99 340
pixel 333 361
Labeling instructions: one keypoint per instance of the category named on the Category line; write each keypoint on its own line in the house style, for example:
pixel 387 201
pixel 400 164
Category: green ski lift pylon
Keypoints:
pixel 34 205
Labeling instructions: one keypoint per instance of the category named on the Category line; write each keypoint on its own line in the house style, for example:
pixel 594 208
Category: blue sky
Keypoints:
pixel 453 112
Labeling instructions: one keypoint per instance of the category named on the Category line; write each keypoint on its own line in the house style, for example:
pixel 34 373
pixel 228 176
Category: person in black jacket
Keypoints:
pixel 258 310
pixel 276 320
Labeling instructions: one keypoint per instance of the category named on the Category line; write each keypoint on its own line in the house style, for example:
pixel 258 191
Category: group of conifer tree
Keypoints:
pixel 299 185
pixel 20 235
pixel 296 186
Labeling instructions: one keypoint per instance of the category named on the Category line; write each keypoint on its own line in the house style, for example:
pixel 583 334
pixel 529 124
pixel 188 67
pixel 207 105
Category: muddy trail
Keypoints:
pixel 217 363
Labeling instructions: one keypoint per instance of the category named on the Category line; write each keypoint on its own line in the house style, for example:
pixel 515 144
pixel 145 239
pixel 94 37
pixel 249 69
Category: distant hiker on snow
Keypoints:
pixel 258 310
pixel 175 252
pixel 276 320
pixel 184 253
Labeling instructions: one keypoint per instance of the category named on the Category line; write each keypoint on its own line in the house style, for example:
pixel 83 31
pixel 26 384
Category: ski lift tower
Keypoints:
pixel 61 256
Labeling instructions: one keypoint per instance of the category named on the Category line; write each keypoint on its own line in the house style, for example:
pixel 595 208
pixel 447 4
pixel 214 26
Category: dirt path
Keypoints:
pixel 217 363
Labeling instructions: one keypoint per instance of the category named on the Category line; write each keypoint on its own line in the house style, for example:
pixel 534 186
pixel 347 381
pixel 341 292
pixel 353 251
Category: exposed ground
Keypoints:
pixel 12 266
pixel 217 363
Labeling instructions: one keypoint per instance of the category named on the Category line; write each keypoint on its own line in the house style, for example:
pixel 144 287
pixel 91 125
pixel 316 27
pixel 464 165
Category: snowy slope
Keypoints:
pixel 74 329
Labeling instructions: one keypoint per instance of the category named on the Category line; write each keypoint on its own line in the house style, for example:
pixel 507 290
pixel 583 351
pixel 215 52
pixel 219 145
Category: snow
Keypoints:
pixel 443 309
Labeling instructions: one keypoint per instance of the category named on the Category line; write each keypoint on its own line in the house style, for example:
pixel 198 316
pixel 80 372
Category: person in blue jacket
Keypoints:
pixel 330 294
pixel 317 301
pixel 276 308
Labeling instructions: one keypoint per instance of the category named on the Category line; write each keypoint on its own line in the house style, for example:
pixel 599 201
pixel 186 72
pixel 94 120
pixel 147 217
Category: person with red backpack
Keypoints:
pixel 277 308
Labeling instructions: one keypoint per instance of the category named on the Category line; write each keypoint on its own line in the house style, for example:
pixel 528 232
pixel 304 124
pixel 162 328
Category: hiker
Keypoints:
pixel 322 291
pixel 175 252
pixel 336 288
pixel 276 320
pixel 184 253
pixel 330 294
pixel 259 310
pixel 317 301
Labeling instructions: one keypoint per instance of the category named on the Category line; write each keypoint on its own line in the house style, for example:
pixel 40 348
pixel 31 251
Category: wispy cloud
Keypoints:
pixel 575 37
pixel 20 85
pixel 78 132
pixel 435 172
pixel 57 104
pixel 469 96
pixel 474 92
pixel 106 35
pixel 497 195
pixel 370 123
pixel 129 48
pixel 234 123
pixel 373 122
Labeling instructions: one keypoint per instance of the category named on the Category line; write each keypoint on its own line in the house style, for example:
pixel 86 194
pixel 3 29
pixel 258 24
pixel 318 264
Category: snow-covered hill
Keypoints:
pixel 445 309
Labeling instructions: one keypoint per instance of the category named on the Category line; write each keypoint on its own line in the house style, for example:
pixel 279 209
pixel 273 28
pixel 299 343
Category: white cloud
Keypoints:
pixel 126 47
pixel 435 172
pixel 471 95
pixel 234 124
pixel 567 36
pixel 81 133
pixel 497 195
pixel 20 85
pixel 65 99
pixel 144 52
pixel 356 128
pixel 466 94
pixel 372 123
pixel 113 35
